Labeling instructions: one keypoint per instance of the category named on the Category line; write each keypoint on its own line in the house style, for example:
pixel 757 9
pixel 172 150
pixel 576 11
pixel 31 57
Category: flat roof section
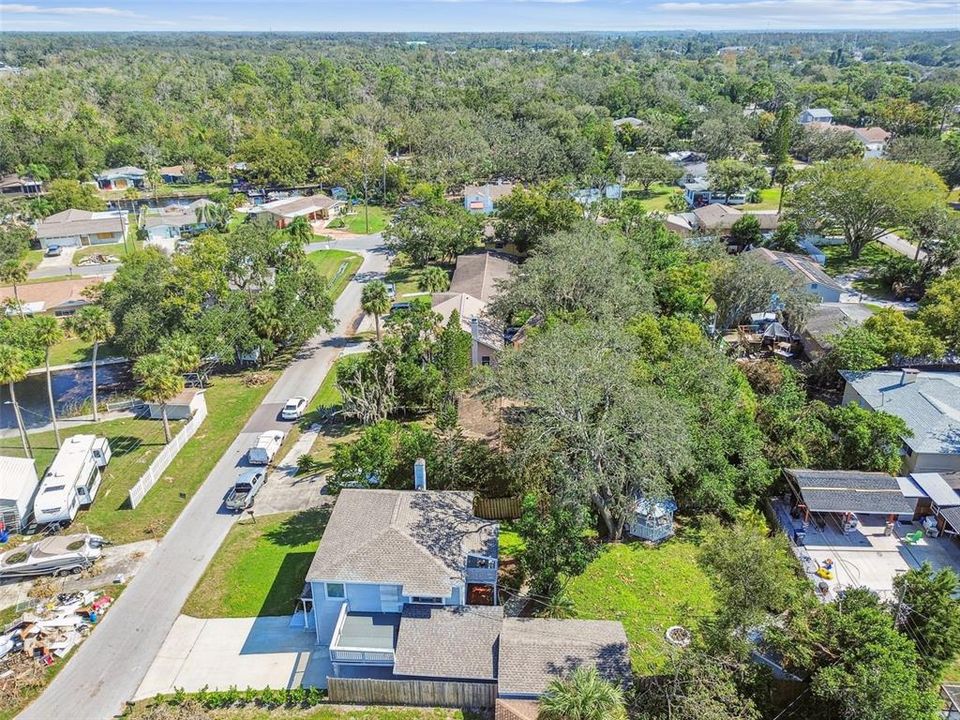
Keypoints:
pixel 370 631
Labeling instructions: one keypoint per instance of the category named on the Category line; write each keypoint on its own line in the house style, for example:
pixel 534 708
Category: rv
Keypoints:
pixel 72 480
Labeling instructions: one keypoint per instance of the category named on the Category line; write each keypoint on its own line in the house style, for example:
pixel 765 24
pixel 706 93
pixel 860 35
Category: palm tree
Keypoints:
pixel 15 273
pixel 183 351
pixel 159 381
pixel 214 214
pixel 93 324
pixel 300 230
pixel 583 695
pixel 48 333
pixel 375 300
pixel 433 280
pixel 13 369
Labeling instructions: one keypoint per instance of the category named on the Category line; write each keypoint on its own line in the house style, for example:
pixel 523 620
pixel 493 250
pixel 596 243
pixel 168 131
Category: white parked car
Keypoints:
pixel 294 408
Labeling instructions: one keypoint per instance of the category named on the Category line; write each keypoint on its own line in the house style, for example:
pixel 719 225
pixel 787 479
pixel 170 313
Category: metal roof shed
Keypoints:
pixel 18 483
pixel 936 488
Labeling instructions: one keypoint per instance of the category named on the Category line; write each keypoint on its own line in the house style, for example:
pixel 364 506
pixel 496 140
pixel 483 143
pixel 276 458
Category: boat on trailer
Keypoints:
pixel 54 555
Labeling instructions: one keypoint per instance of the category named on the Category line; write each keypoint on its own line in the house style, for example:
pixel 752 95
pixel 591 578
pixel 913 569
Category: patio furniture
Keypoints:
pixel 913 538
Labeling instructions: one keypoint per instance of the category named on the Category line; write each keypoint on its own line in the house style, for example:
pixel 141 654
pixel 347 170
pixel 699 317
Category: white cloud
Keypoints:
pixel 18 9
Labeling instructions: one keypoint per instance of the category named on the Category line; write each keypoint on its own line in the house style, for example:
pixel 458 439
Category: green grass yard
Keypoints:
pixel 648 589
pixel 656 199
pixel 769 200
pixel 339 266
pixel 260 567
pixel 356 221
pixel 73 349
pixel 840 262
pixel 406 278
pixel 119 250
pixel 135 442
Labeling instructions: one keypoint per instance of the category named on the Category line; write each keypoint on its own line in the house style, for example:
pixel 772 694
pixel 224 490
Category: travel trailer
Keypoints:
pixel 72 480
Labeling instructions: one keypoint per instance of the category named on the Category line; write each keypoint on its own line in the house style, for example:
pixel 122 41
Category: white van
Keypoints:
pixel 72 480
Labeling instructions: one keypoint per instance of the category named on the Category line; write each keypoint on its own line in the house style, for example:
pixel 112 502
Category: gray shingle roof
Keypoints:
pixel 805 267
pixel 477 275
pixel 850 491
pixel 79 222
pixel 930 406
pixel 828 319
pixel 176 215
pixel 449 642
pixel 533 652
pixel 416 539
pixel 952 516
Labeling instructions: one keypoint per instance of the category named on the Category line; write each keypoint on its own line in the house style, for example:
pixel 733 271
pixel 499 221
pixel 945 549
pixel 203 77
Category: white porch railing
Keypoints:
pixel 361 656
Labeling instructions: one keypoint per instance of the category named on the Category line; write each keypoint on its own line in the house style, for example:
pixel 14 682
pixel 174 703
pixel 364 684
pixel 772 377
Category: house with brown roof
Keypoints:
pixel 717 220
pixel 312 207
pixel 76 228
pixel 20 185
pixel 474 285
pixel 59 297
pixel 874 139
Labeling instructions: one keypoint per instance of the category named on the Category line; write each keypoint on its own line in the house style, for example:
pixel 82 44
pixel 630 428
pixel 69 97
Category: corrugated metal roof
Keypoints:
pixel 936 489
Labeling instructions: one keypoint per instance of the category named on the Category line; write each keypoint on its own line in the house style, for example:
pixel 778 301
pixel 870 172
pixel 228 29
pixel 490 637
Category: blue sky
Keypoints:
pixel 477 15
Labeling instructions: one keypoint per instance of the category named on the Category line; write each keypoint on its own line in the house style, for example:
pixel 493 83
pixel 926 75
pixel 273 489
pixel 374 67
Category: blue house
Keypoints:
pixel 122 178
pixel 484 198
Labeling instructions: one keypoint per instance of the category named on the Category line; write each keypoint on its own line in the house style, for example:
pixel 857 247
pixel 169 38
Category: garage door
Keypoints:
pixel 62 242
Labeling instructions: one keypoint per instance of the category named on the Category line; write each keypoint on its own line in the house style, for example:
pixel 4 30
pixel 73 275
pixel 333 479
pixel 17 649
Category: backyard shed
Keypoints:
pixel 18 483
pixel 179 407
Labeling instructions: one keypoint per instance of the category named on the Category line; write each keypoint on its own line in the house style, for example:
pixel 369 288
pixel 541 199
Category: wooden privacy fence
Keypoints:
pixel 166 456
pixel 505 508
pixel 422 693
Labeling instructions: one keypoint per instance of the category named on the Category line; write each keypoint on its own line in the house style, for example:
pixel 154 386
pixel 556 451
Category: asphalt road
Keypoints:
pixel 108 667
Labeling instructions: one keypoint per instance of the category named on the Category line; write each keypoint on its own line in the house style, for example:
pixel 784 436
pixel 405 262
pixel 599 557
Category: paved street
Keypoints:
pixel 108 668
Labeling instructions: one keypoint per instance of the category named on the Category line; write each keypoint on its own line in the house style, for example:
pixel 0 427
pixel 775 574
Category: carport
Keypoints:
pixel 848 493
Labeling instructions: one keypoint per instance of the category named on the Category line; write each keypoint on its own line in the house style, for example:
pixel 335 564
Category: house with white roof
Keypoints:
pixel 76 228
pixel 928 402
pixel 312 207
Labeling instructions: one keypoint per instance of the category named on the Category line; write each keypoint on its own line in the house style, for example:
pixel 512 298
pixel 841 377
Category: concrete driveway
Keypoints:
pixel 241 652
pixel 61 263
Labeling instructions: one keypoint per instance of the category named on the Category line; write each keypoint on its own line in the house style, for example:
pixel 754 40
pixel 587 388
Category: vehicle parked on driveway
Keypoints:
pixel 294 408
pixel 54 251
pixel 266 447
pixel 244 491
pixel 54 555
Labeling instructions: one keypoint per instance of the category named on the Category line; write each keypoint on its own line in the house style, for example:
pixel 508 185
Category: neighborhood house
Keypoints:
pixel 174 221
pixel 122 178
pixel 928 402
pixel 20 185
pixel 404 587
pixel 717 219
pixel 59 298
pixel 815 115
pixel 472 289
pixel 312 207
pixel 18 483
pixel 75 228
pixel 815 278
pixel 484 198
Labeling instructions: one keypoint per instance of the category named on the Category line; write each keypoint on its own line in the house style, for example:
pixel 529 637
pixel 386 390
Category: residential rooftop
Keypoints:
pixel 417 539
pixel 805 267
pixel 928 402
pixel 460 641
pixel 477 274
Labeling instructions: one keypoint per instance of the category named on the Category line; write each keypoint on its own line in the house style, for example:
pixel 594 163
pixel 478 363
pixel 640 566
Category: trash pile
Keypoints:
pixel 51 630
pixel 98 259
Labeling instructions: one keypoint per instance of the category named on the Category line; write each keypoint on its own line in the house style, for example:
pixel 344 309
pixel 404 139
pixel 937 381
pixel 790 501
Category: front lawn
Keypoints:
pixel 118 250
pixel 356 221
pixel 338 266
pixel 406 278
pixel 648 589
pixel 260 567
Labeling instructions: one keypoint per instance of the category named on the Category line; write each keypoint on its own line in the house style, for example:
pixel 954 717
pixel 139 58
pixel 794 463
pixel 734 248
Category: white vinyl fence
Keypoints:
pixel 166 456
